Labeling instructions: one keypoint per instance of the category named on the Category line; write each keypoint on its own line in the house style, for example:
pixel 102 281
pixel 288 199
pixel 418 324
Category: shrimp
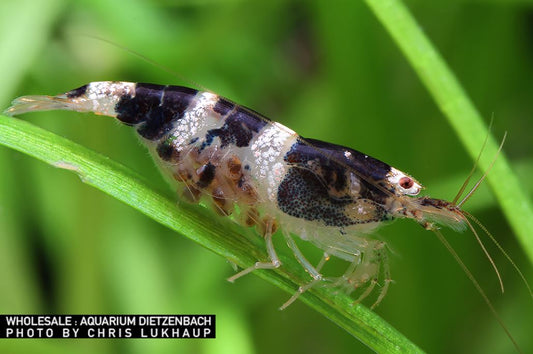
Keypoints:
pixel 266 176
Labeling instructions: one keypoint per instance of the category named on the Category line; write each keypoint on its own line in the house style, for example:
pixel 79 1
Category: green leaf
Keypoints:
pixel 460 112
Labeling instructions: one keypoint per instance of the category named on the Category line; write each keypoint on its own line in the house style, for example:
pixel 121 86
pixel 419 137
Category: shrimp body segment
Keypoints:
pixel 227 155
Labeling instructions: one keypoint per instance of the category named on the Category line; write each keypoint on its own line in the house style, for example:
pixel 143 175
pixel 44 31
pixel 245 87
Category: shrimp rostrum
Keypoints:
pixel 267 176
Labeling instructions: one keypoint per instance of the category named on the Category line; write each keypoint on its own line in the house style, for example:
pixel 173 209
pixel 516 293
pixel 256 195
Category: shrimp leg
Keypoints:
pixel 274 260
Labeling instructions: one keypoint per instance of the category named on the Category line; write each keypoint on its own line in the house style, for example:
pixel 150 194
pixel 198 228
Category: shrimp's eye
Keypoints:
pixel 406 182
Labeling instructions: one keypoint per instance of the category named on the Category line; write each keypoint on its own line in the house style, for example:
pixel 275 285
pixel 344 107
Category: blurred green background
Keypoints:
pixel 327 70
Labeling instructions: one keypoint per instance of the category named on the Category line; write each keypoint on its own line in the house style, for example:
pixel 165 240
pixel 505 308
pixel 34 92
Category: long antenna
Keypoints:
pixel 148 60
pixel 477 286
pixel 478 239
pixel 485 174
pixel 465 183
pixel 493 239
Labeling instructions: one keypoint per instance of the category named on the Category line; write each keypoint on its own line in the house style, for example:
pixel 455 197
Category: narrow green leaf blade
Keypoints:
pixel 460 112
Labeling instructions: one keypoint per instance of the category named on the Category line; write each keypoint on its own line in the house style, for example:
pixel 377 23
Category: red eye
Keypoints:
pixel 406 182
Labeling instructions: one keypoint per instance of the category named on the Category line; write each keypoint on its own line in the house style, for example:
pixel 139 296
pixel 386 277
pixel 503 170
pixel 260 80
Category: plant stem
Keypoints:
pixel 460 112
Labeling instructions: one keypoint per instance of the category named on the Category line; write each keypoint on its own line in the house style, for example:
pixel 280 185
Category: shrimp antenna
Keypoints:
pixel 493 239
pixel 478 239
pixel 148 60
pixel 477 286
pixel 465 183
pixel 469 194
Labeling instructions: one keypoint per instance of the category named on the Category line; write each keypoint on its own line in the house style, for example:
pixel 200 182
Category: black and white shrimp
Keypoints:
pixel 265 175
